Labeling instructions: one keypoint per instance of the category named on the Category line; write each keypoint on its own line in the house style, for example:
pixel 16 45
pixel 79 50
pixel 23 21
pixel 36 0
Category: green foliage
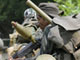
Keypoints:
pixel 69 6
pixel 12 9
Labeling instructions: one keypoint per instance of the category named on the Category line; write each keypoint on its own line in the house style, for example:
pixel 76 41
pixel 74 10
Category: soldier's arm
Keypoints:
pixel 55 37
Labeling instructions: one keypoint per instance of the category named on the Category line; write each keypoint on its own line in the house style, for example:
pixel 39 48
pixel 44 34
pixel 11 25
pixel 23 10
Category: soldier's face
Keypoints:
pixel 42 22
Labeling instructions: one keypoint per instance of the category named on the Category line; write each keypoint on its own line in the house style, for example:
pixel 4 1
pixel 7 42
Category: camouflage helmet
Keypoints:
pixel 45 57
pixel 30 13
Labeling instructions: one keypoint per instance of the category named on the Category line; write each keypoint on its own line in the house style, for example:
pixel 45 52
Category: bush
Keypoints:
pixel 69 6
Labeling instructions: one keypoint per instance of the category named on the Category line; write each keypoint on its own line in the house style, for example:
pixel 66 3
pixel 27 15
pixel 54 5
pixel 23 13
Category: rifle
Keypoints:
pixel 27 49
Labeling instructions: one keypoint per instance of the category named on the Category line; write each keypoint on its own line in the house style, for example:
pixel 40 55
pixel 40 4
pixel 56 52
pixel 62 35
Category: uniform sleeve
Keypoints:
pixel 54 36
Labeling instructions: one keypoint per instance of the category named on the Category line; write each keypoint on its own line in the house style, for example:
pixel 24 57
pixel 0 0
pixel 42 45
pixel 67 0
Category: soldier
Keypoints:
pixel 58 37
pixel 30 21
pixel 43 23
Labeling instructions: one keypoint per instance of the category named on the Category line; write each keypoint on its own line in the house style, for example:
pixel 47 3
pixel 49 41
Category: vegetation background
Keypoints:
pixel 12 10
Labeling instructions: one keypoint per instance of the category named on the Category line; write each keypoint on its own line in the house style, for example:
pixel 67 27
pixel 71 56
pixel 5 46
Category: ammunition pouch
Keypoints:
pixel 69 47
pixel 76 42
pixel 76 54
pixel 76 39
pixel 73 45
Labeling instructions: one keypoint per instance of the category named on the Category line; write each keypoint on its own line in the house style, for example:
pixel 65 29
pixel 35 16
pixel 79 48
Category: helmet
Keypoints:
pixel 45 57
pixel 30 13
pixel 30 16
